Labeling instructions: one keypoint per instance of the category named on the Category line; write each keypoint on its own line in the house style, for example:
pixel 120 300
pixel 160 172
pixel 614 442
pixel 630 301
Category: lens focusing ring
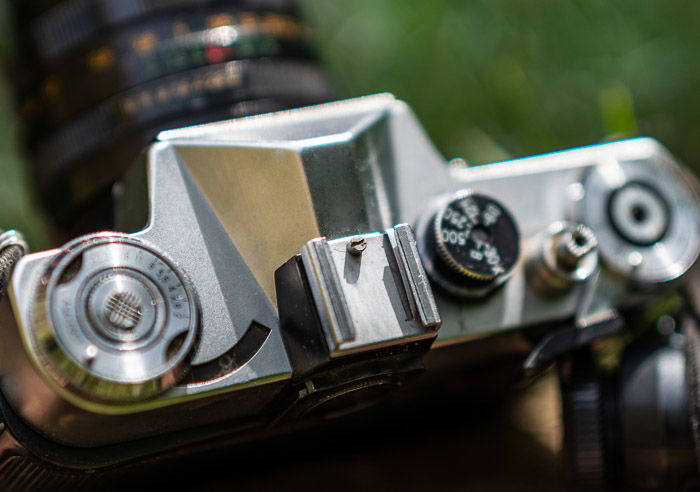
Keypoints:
pixel 130 57
pixel 584 423
pixel 101 78
pixel 68 191
pixel 208 87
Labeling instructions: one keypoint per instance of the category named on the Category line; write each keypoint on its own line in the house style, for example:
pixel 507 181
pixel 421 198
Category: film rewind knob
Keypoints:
pixel 115 319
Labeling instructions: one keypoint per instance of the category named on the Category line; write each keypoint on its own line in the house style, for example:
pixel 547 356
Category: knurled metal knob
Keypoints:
pixel 115 319
pixel 476 238
pixel 567 255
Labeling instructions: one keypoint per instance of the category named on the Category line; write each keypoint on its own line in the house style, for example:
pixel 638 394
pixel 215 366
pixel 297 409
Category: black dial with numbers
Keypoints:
pixel 476 237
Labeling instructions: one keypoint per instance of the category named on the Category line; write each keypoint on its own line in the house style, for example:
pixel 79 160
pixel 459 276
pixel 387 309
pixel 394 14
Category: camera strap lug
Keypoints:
pixel 12 248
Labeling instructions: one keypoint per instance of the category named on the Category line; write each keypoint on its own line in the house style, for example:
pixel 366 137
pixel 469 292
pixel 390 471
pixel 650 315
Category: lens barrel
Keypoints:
pixel 631 429
pixel 99 79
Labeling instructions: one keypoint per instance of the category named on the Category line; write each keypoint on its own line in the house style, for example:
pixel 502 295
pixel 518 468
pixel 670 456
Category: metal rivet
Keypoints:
pixel 635 259
pixel 575 192
pixel 357 245
pixel 91 352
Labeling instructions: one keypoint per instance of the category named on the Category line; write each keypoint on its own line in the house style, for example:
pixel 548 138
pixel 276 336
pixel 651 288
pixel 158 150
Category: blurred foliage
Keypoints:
pixel 19 207
pixel 493 79
pixel 490 79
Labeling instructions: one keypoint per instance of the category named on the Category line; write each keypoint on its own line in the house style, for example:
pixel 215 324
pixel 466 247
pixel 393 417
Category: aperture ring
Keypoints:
pixel 65 100
pixel 72 22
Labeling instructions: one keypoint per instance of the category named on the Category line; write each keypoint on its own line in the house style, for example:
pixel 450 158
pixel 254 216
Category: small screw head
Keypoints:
pixel 357 245
pixel 666 325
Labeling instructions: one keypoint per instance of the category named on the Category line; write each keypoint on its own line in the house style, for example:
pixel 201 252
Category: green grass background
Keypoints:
pixel 502 78
pixel 19 207
pixel 490 79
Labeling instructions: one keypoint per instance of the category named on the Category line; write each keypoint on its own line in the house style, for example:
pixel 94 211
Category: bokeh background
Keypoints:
pixel 490 79
pixel 493 79
pixel 19 208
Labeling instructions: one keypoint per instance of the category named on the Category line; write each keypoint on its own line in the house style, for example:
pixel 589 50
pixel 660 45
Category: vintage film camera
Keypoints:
pixel 265 278
pixel 272 272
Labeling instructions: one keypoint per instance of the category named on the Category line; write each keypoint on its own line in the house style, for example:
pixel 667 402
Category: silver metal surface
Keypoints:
pixel 568 254
pixel 574 244
pixel 414 276
pixel 539 191
pixel 230 202
pixel 391 173
pixel 114 319
pixel 182 223
pixel 402 178
pixel 13 237
pixel 380 298
pixel 228 211
pixel 646 217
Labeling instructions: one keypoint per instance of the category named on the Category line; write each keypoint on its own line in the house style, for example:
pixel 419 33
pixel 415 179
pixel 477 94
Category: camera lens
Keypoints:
pixel 154 49
pixel 99 79
pixel 630 429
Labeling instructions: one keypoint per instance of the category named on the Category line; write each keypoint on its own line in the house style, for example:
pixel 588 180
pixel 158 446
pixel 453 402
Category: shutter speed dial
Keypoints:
pixel 472 244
